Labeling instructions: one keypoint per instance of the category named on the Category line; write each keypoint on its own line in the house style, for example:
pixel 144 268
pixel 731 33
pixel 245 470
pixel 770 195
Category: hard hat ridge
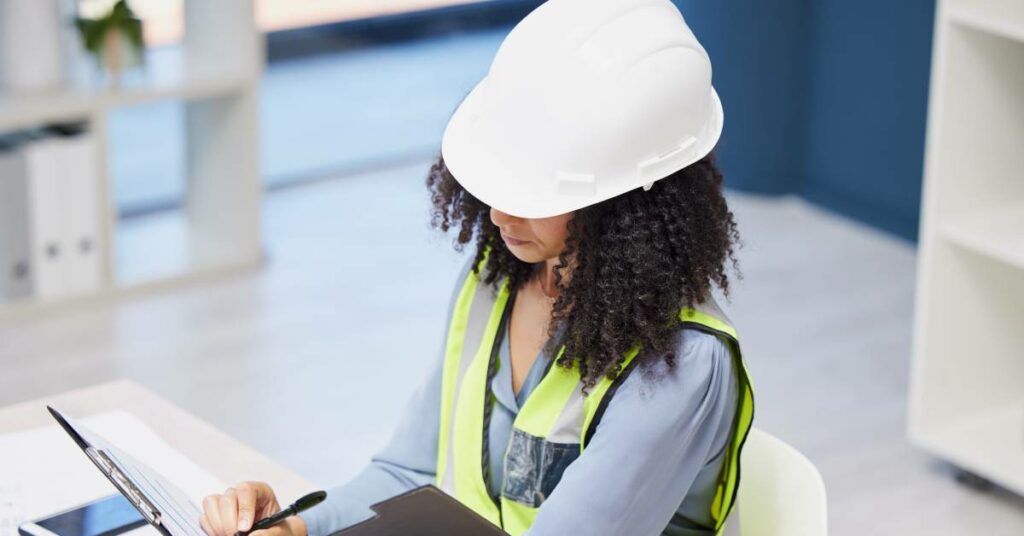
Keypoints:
pixel 585 100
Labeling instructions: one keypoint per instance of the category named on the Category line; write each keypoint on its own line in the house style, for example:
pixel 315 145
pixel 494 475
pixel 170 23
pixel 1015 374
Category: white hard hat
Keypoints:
pixel 585 100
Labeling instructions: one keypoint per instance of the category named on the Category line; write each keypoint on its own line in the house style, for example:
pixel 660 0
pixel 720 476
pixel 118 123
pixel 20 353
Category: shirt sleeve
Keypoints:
pixel 658 432
pixel 409 460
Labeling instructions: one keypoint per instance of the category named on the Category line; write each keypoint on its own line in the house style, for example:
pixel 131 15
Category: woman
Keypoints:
pixel 589 384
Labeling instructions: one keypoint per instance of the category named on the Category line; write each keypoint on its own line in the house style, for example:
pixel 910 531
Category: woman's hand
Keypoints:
pixel 239 507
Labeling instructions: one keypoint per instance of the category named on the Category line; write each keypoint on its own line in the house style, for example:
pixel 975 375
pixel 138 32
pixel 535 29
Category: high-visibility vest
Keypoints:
pixel 554 425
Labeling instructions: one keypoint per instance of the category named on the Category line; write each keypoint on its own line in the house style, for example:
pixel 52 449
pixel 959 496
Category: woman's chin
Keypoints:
pixel 524 252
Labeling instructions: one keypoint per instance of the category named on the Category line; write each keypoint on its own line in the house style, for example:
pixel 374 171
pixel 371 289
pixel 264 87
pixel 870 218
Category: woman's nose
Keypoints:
pixel 501 219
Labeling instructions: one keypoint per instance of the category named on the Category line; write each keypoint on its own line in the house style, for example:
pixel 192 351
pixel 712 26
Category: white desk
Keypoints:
pixel 222 456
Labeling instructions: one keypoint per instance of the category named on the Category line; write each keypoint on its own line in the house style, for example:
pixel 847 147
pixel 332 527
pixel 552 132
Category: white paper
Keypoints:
pixel 42 471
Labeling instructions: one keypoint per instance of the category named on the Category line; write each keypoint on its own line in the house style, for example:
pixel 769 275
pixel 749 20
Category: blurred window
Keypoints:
pixel 164 18
pixel 354 118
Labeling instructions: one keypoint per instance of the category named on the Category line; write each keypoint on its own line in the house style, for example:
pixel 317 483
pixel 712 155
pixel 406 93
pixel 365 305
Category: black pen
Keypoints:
pixel 304 503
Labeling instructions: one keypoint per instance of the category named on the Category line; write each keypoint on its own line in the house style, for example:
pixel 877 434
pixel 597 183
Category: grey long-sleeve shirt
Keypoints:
pixel 650 468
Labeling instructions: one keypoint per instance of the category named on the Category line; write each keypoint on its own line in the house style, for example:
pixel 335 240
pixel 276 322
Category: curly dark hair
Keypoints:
pixel 638 259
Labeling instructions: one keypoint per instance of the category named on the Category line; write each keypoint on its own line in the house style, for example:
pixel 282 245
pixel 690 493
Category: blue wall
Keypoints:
pixel 826 99
pixel 760 73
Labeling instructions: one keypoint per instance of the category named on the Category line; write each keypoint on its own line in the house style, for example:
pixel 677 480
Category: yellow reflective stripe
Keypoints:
pixel 470 488
pixel 745 417
pixel 692 315
pixel 517 518
pixel 725 494
pixel 453 352
pixel 593 399
pixel 544 405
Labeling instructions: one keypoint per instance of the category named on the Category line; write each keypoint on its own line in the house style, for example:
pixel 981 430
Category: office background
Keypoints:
pixel 825 100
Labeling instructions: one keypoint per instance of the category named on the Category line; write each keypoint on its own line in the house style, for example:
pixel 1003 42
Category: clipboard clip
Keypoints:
pixel 123 484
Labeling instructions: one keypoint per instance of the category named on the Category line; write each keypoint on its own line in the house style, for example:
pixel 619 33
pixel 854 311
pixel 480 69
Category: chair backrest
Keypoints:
pixel 781 492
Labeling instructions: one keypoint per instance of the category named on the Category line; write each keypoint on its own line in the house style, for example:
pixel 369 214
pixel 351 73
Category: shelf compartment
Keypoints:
pixel 989 443
pixel 159 249
pixel 997 233
pixel 150 248
pixel 966 404
pixel 973 160
pixel 1000 17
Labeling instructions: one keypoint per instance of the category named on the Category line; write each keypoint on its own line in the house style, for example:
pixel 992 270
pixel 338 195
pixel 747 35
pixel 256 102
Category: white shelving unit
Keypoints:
pixel 216 73
pixel 967 381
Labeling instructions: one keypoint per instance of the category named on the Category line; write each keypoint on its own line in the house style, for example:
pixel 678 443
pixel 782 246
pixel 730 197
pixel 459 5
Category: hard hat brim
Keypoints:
pixel 476 168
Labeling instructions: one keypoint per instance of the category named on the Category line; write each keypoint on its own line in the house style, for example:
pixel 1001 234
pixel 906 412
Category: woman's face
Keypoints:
pixel 532 240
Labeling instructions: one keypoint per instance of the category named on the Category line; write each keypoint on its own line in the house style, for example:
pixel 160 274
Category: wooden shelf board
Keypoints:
pixel 21 112
pixel 166 76
pixel 17 113
pixel 989 18
pixel 29 308
pixel 191 275
pixel 990 444
pixel 998 234
pixel 184 89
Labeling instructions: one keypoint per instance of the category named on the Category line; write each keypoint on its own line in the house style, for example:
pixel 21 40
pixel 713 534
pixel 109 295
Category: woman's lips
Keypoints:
pixel 513 241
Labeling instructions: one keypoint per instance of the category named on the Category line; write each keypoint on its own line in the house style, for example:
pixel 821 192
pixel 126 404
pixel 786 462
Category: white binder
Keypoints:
pixel 15 253
pixel 82 238
pixel 46 218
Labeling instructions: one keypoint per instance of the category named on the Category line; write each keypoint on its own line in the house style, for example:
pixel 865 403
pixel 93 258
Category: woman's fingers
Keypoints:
pixel 237 508
pixel 205 524
pixel 228 512
pixel 211 512
pixel 263 500
pixel 246 495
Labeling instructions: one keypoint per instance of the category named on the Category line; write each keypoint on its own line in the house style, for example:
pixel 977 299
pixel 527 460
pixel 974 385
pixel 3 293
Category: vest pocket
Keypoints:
pixel 534 466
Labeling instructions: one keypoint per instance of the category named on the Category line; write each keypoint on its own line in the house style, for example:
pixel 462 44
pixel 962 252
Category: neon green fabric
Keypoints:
pixel 456 332
pixel 555 412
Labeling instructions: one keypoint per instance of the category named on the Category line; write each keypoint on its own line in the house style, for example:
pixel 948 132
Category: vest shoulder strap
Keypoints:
pixel 707 317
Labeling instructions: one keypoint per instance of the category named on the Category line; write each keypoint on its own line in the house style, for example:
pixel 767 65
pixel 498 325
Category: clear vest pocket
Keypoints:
pixel 534 466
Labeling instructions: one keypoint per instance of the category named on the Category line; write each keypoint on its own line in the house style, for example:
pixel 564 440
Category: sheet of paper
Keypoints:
pixel 42 471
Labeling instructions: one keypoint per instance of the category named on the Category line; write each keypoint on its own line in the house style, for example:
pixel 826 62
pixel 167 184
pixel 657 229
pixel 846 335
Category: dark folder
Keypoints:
pixel 424 511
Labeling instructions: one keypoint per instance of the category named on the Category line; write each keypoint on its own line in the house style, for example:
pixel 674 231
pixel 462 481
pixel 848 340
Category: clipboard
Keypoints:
pixel 424 511
pixel 162 504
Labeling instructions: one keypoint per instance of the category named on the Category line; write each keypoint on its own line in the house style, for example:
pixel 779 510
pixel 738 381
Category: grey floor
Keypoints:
pixel 310 359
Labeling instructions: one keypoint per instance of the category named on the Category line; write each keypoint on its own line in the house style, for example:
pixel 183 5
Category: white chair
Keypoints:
pixel 781 492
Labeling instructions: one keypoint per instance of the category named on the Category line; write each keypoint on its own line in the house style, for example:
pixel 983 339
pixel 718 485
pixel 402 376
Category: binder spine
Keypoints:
pixel 15 248
pixel 80 202
pixel 45 217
